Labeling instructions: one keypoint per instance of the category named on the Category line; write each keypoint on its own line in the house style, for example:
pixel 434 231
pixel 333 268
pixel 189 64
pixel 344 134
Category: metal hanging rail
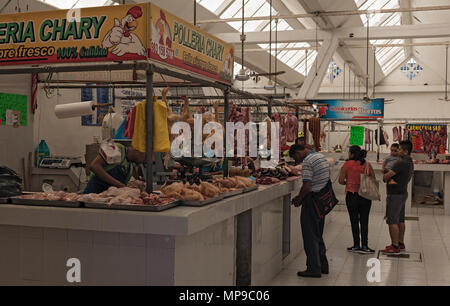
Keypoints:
pixel 417 44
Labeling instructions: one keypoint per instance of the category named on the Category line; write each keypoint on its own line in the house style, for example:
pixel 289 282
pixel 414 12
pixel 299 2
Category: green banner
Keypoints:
pixel 13 102
pixel 357 136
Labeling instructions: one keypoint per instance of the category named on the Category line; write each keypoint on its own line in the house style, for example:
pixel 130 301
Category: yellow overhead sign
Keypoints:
pixel 178 43
pixel 113 33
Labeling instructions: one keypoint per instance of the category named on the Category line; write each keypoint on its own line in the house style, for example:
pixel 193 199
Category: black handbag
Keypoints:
pixel 324 200
pixel 10 183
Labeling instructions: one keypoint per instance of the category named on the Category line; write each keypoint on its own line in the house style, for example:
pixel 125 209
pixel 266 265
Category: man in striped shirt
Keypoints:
pixel 315 174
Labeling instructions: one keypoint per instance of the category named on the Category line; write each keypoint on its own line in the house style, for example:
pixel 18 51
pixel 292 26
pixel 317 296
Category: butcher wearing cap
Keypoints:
pixel 121 39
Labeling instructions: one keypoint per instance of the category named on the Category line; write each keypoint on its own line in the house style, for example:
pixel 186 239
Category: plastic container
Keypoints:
pixel 42 151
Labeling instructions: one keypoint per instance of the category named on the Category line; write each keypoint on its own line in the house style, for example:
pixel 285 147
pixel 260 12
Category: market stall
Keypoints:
pixel 226 231
pixel 362 123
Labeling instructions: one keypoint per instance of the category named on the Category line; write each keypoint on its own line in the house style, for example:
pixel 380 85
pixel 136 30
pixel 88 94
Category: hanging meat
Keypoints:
pixel 367 139
pixel 186 116
pixel 405 134
pixel 443 134
pixel 400 133
pixel 436 144
pixel 171 117
pixel 241 114
pixel 314 128
pixel 386 138
pixel 395 133
pixel 276 117
pixel 269 131
pixel 292 127
pixel 427 142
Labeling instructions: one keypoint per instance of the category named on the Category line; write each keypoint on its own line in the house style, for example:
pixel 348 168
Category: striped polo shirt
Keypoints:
pixel 316 169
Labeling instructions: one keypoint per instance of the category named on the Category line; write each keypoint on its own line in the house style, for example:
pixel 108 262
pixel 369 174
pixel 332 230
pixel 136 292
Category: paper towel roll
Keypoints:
pixel 71 110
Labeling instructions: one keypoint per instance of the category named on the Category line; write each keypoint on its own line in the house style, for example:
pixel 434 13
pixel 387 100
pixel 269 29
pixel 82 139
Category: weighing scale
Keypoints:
pixel 59 163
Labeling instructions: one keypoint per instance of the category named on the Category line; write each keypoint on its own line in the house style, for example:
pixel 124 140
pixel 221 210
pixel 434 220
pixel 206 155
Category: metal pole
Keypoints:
pixel 446 71
pixel 269 108
pixel 379 138
pixel 374 67
pixel 149 129
pixel 349 83
pixel 195 12
pixel 226 94
pixel 328 136
pixel 343 87
pixel 367 59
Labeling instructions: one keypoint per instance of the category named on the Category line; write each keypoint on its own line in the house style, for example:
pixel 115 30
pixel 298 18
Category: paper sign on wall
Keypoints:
pixel 17 108
pixel 356 135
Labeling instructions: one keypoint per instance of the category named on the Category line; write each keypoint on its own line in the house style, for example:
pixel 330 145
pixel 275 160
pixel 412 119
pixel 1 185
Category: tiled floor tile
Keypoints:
pixel 430 236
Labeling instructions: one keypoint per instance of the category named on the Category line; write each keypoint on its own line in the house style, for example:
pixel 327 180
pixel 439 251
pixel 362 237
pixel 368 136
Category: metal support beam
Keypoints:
pixel 81 68
pixel 314 79
pixel 149 130
pixel 333 14
pixel 346 34
pixel 226 94
pixel 283 36
pixel 406 19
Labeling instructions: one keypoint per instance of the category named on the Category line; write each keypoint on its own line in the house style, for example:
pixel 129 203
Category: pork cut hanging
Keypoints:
pixel 314 128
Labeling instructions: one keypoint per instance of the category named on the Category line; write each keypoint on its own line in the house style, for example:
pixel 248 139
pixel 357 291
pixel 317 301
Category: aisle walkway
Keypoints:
pixel 430 236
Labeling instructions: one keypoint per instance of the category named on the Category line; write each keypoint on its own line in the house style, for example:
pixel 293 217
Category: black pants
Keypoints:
pixel 312 232
pixel 358 210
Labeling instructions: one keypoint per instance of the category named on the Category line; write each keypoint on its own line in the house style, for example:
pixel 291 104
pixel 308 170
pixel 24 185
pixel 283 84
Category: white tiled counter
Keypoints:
pixel 245 239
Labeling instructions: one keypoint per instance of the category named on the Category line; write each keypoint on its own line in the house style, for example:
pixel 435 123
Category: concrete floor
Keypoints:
pixel 430 236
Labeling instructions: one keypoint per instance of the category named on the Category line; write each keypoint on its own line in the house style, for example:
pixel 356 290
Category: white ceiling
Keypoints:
pixel 432 56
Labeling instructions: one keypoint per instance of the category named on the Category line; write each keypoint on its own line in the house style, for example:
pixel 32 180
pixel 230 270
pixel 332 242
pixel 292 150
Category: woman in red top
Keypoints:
pixel 357 206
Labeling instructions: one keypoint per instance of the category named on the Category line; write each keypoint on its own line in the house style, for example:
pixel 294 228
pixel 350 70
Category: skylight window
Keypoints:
pixel 387 57
pixel 68 4
pixel 256 8
pixel 211 5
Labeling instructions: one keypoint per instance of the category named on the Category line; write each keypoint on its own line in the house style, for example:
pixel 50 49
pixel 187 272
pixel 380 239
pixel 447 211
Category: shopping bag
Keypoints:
pixel 369 187
pixel 324 200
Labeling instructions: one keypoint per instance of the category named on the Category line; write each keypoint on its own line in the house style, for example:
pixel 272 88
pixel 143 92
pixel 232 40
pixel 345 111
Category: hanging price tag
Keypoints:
pixel 357 136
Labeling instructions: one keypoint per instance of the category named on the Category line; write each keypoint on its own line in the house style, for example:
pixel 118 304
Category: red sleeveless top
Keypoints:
pixel 353 175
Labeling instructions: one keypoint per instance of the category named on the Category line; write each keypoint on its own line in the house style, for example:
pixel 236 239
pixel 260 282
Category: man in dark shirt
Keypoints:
pixel 397 194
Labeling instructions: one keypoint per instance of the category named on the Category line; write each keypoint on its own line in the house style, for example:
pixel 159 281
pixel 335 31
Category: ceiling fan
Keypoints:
pixel 257 76
pixel 446 74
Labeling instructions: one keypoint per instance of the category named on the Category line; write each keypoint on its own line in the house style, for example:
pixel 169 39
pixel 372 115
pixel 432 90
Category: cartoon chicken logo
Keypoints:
pixel 228 65
pixel 162 35
pixel 121 39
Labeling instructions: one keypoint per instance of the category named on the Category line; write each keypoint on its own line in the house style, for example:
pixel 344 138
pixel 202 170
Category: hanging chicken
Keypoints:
pixel 121 39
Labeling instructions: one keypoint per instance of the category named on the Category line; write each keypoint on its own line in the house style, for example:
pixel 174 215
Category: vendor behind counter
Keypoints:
pixel 113 166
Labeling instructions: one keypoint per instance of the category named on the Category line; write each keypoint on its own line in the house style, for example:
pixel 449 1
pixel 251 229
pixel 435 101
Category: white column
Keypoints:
pixel 447 193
